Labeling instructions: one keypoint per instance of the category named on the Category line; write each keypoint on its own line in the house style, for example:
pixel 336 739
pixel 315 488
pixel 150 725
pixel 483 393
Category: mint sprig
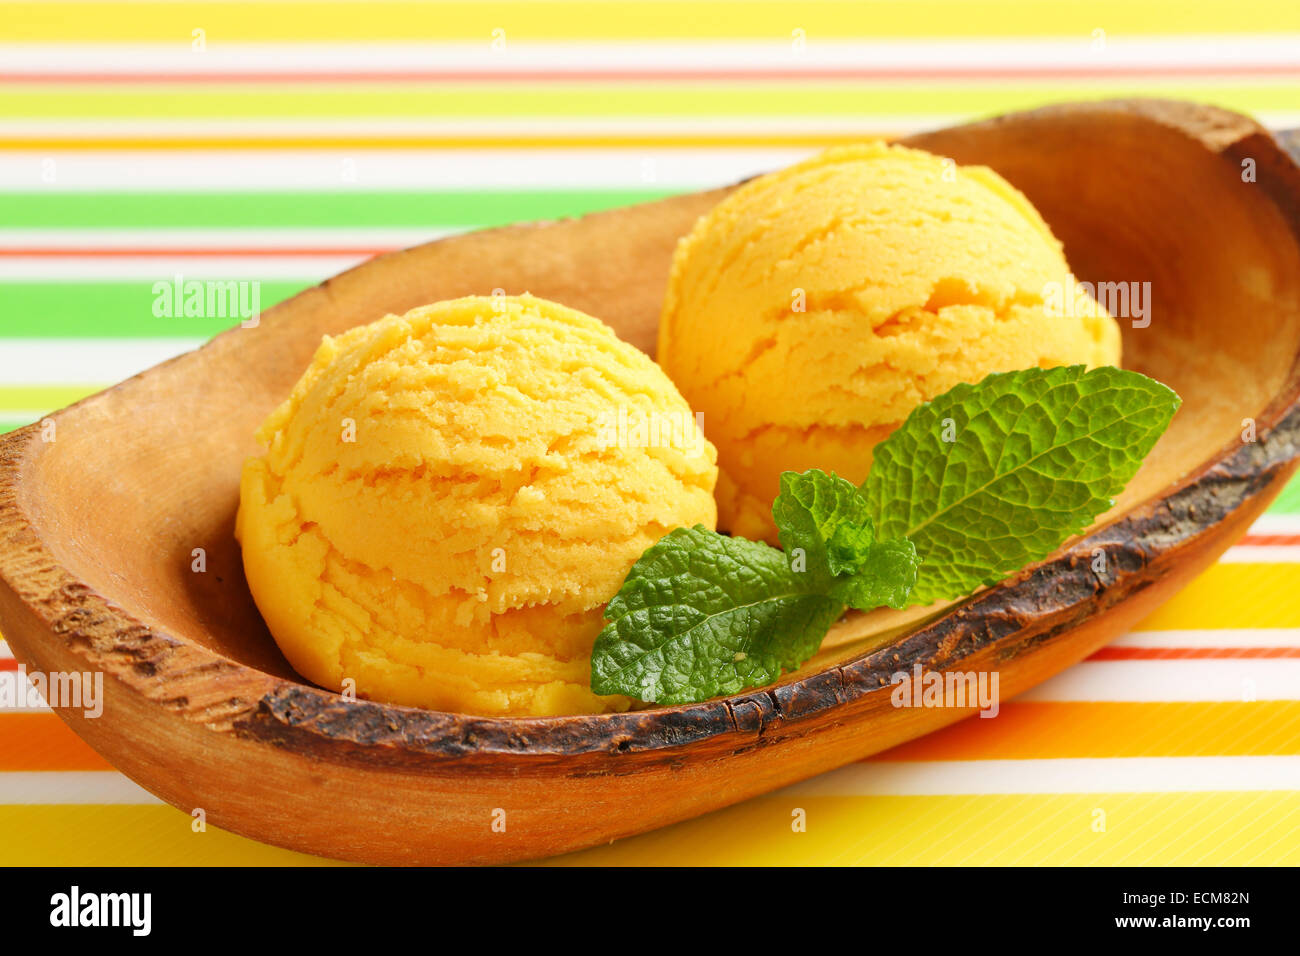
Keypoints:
pixel 974 485
pixel 825 527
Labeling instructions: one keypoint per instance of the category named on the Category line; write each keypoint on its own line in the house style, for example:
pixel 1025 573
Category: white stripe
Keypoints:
pixel 1064 776
pixel 1245 637
pixel 23 707
pixel 865 125
pixel 989 53
pixel 1261 554
pixel 148 270
pixel 5 652
pixel 203 238
pixel 72 787
pixel 505 126
pixel 937 778
pixel 31 171
pixel 1276 524
pixel 1160 680
pixel 23 416
pixel 85 361
pixel 275 170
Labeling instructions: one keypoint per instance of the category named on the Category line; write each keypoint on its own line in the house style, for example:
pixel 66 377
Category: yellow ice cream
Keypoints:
pixel 812 309
pixel 449 498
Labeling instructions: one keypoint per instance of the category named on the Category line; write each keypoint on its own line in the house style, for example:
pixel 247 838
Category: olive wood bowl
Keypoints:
pixel 98 526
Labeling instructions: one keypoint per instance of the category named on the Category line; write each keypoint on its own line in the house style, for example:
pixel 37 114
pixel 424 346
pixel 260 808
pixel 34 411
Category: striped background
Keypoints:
pixel 304 137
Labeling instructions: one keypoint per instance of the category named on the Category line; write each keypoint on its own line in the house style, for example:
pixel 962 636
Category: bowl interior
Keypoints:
pixel 141 476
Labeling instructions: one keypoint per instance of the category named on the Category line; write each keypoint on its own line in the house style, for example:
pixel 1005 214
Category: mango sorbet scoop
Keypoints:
pixel 450 497
pixel 812 309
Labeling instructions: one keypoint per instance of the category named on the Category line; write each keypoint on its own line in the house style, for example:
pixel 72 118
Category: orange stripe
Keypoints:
pixel 117 252
pixel 1027 730
pixel 1271 539
pixel 44 742
pixel 1023 730
pixel 1190 653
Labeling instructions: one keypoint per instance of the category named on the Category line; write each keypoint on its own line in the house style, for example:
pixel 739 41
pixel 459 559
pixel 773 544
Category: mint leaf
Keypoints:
pixel 824 524
pixel 825 516
pixel 1034 457
pixel 886 577
pixel 701 614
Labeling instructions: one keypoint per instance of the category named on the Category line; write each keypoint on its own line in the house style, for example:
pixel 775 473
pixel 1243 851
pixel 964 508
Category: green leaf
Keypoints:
pixel 826 517
pixel 701 614
pixel 886 577
pixel 824 524
pixel 989 478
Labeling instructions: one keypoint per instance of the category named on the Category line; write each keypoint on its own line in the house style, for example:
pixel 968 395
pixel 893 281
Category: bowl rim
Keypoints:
pixel 1036 603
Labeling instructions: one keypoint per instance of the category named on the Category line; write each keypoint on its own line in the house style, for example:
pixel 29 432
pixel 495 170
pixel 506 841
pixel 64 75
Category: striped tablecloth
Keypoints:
pixel 285 141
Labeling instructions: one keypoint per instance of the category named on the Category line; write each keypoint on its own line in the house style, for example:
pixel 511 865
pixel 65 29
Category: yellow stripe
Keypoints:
pixel 33 397
pixel 1233 595
pixel 1208 829
pixel 99 835
pixel 694 101
pixel 648 19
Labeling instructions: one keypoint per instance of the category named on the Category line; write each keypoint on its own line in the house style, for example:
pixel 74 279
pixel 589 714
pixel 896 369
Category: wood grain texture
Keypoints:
pixel 97 527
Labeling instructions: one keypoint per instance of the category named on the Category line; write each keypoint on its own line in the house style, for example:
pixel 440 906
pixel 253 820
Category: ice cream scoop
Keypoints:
pixel 813 308
pixel 449 498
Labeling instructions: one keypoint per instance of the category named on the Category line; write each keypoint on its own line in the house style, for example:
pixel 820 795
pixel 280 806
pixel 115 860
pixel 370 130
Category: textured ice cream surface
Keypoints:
pixel 447 502
pixel 813 308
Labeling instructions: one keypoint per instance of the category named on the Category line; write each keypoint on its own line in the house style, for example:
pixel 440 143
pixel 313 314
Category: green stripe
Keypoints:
pixel 111 310
pixel 432 210
pixel 1288 502
pixel 9 424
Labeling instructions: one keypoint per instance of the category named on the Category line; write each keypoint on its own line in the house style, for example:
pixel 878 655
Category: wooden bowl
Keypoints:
pixel 99 525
